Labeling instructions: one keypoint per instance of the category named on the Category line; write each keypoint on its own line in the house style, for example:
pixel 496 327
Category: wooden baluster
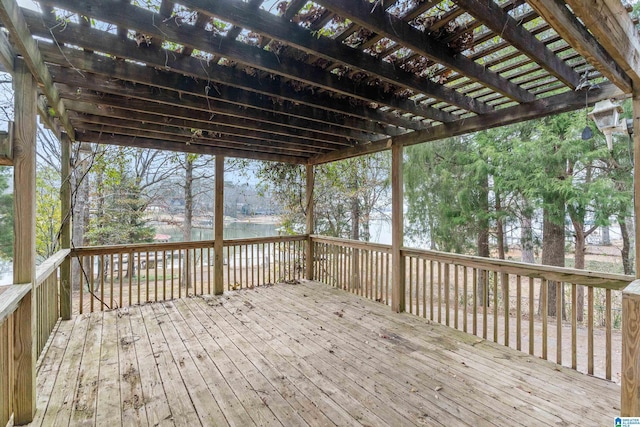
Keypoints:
pixel 447 296
pixel 387 278
pixel 378 294
pixel 485 302
pixel 180 273
pixel 518 312
pixel 574 329
pixel 130 271
pixel 496 311
pixel 474 282
pixel 147 296
pixel 120 280
pixel 465 290
pixel 456 305
pixel 531 315
pixel 559 310
pixel 172 272
pixel 590 321
pixel 91 283
pixel 608 332
pixel 424 288
pixel 81 305
pixel 410 287
pixel 111 280
pixel 544 289
pixel 507 303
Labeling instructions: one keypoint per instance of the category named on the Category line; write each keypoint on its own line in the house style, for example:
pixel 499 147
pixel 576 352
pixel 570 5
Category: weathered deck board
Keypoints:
pixel 301 355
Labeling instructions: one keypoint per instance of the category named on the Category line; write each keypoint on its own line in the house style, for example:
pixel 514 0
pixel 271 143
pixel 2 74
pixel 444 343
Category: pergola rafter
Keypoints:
pixel 322 81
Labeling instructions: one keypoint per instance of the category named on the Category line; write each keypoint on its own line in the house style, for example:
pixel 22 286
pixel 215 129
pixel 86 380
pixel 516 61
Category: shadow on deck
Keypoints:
pixel 295 355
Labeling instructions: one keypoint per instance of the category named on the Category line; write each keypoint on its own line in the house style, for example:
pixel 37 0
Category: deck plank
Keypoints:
pixel 531 373
pixel 315 406
pixel 134 411
pixel 303 354
pixel 237 375
pixel 521 379
pixel 209 358
pixel 154 398
pixel 83 411
pixel 176 391
pixel 204 404
pixel 299 409
pixel 50 367
pixel 108 400
pixel 538 374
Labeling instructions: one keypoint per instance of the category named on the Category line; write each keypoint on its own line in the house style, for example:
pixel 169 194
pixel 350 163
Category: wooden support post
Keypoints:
pixel 24 266
pixel 630 386
pixel 310 220
pixel 397 229
pixel 65 228
pixel 218 228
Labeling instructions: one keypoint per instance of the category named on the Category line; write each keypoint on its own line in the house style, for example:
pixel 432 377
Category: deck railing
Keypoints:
pixel 122 275
pixel 14 308
pixel 503 301
pixel 359 267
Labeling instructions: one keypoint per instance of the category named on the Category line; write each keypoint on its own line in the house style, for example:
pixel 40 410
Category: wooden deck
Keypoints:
pixel 295 355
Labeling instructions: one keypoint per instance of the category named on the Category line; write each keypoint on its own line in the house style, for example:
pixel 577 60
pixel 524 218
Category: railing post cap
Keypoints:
pixel 633 289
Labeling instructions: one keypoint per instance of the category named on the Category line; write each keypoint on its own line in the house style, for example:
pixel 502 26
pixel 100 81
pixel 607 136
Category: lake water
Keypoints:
pixel 380 233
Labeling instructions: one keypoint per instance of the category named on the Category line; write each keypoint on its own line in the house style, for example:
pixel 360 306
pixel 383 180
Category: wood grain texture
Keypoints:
pixel 573 31
pixel 310 217
pixel 13 19
pixel 218 223
pixel 397 229
pixel 611 24
pixel 281 356
pixel 65 228
pixel 25 241
pixel 630 394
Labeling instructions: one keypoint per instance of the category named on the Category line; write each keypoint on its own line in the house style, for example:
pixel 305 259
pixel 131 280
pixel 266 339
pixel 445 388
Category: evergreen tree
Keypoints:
pixel 6 215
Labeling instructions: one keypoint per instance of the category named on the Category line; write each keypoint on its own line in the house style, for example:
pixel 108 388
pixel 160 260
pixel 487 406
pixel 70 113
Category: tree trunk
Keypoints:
pixel 355 232
pixel 579 264
pixel 606 236
pixel 552 247
pixel 79 213
pixel 499 228
pixel 627 261
pixel 188 216
pixel 526 239
pixel 483 239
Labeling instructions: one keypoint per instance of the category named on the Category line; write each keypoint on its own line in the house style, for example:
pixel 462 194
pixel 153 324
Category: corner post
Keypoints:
pixel 24 266
pixel 397 229
pixel 218 228
pixel 310 220
pixel 65 229
pixel 630 386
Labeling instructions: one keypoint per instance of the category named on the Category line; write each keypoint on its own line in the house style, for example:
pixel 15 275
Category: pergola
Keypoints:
pixel 298 82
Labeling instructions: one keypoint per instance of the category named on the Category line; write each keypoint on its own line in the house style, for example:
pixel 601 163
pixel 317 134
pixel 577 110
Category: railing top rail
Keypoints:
pixel 560 274
pixel 11 298
pixel 352 243
pixel 153 247
pixel 49 266
pixel 273 239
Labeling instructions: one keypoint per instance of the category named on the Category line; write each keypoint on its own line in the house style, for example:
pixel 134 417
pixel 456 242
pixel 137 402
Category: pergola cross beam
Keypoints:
pixel 11 16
